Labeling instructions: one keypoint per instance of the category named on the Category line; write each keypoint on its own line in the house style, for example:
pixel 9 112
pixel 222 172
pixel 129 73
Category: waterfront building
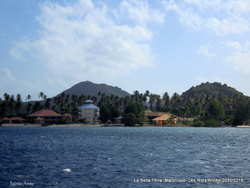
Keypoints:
pixel 45 116
pixel 89 113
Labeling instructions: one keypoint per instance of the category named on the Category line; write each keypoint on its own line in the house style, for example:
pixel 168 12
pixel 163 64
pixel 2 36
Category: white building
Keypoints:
pixel 89 112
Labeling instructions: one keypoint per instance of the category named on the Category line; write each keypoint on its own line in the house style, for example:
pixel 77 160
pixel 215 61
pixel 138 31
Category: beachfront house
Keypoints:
pixel 13 120
pixel 159 118
pixel 89 113
pixel 45 116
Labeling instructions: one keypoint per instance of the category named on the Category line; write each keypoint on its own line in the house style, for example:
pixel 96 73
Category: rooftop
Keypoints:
pixel 43 113
pixel 88 105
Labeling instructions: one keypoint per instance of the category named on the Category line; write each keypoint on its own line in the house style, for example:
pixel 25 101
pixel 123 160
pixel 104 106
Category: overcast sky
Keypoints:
pixel 160 46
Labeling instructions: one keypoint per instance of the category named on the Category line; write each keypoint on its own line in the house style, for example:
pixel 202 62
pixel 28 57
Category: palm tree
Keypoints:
pixel 152 101
pixel 2 107
pixel 136 96
pixel 6 97
pixel 18 104
pixel 166 100
pixel 48 103
pixel 28 98
pixel 37 106
pixel 28 107
pixel 11 103
pixel 44 97
pixel 41 95
pixel 5 104
pixel 176 99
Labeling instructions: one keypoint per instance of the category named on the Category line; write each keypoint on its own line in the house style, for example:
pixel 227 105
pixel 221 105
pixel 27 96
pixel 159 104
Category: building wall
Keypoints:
pixel 90 114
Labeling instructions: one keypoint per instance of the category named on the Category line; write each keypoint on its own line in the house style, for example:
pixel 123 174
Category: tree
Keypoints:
pixel 105 114
pixel 28 98
pixel 243 112
pixel 48 103
pixel 2 107
pixel 11 103
pixel 134 108
pixel 5 104
pixel 41 95
pixel 18 104
pixel 114 111
pixel 29 108
pixel 216 110
pixel 175 100
pixel 37 106
pixel 129 119
pixel 166 100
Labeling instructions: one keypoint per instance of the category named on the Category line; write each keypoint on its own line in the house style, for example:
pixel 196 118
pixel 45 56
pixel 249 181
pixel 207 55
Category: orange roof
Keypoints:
pixel 156 114
pixel 42 113
pixel 164 117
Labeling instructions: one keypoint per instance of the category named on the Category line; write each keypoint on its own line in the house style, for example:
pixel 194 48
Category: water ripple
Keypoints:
pixel 116 157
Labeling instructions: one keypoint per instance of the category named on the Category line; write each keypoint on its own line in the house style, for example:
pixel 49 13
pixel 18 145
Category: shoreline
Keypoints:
pixel 40 125
pixel 98 125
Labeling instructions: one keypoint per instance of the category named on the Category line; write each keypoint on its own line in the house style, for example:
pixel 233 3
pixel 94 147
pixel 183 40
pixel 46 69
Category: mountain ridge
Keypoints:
pixel 92 89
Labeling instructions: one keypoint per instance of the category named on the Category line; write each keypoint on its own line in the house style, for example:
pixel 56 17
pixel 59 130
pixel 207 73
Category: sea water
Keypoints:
pixel 124 157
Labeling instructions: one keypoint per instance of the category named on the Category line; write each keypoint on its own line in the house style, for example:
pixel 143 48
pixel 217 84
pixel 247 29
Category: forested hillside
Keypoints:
pixel 211 89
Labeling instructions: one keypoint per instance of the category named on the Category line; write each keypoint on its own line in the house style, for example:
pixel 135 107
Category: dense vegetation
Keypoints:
pixel 210 104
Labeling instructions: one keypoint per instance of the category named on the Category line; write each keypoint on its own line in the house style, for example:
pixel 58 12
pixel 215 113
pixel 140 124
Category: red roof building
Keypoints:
pixel 47 115
pixel 13 120
pixel 44 113
pixel 39 120
pixel 6 120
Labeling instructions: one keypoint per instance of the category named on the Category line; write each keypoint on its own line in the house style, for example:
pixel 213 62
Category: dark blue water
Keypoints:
pixel 124 157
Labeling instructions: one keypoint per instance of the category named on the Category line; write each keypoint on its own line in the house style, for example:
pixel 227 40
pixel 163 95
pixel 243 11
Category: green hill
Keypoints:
pixel 88 88
pixel 211 89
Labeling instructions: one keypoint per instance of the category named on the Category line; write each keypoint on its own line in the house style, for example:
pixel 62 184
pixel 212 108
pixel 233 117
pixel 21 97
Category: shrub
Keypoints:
pixel 198 123
pixel 212 123
pixel 129 119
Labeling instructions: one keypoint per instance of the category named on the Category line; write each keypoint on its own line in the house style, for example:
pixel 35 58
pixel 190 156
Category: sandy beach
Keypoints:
pixel 243 126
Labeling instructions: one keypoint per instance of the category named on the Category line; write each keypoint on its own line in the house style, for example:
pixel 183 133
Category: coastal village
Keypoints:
pixel 219 106
pixel 88 112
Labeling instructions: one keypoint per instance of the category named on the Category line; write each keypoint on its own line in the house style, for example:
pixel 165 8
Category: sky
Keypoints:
pixel 160 46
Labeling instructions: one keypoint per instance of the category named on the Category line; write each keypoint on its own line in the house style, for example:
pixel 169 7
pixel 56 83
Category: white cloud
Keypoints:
pixel 220 17
pixel 233 44
pixel 141 13
pixel 227 25
pixel 204 50
pixel 239 57
pixel 84 41
pixel 239 61
pixel 6 76
pixel 11 85
pixel 186 15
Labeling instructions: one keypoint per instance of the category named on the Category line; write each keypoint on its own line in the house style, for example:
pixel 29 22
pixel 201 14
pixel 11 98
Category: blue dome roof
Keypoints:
pixel 88 104
pixel 88 101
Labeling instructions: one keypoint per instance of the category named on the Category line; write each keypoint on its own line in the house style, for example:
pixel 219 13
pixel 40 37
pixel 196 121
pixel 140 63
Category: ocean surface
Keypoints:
pixel 124 157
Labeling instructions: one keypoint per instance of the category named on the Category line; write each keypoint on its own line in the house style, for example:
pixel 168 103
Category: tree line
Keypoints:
pixel 205 109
